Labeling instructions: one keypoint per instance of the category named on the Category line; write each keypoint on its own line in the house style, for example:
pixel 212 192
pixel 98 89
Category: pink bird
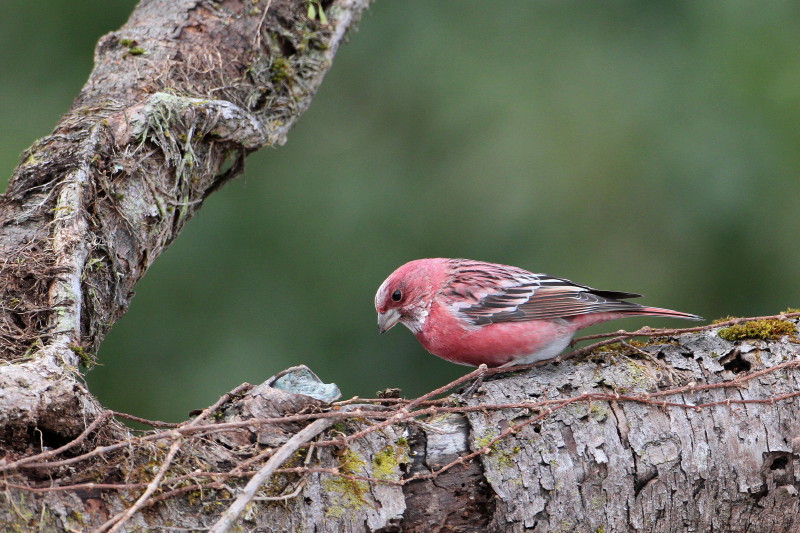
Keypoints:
pixel 473 313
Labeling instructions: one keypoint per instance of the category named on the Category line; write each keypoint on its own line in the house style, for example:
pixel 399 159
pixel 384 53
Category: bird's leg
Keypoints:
pixel 474 386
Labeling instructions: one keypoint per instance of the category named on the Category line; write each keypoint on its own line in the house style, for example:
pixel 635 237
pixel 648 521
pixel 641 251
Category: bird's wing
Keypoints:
pixel 485 293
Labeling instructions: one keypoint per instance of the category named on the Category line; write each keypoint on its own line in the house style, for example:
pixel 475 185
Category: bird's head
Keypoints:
pixel 407 293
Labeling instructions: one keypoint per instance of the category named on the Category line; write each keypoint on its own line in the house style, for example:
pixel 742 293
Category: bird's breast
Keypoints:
pixel 445 335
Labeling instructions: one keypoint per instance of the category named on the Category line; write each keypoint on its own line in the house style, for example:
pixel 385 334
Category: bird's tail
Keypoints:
pixel 657 311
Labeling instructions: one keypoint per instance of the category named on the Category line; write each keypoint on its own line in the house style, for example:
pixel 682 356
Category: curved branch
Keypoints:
pixel 177 97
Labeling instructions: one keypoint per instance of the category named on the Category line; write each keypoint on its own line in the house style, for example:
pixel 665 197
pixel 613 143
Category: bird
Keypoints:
pixel 472 312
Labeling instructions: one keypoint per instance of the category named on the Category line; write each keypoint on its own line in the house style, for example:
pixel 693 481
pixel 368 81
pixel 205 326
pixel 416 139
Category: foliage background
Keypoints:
pixel 629 145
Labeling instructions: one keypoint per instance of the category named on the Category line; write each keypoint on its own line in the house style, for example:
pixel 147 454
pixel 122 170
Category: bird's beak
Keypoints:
pixel 387 320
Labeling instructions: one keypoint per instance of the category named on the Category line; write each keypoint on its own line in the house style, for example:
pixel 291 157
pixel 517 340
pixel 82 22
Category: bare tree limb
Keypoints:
pixel 606 442
pixel 177 97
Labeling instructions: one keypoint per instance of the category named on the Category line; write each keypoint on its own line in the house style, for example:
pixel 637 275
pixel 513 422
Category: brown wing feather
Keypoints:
pixel 545 302
pixel 487 293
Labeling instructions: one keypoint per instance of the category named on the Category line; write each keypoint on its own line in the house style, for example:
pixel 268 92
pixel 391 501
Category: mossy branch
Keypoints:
pixel 385 460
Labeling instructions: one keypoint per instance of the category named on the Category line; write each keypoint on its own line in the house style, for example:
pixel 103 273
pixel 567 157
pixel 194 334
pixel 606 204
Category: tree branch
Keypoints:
pixel 639 436
pixel 177 97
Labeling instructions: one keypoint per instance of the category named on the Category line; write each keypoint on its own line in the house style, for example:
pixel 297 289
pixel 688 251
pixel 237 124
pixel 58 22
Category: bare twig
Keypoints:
pixel 119 520
pixel 116 522
pixel 650 332
pixel 398 411
pixel 405 411
pixel 102 417
pixel 282 454
pixel 145 421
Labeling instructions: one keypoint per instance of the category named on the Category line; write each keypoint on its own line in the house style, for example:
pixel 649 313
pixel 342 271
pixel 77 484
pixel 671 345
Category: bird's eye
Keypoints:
pixel 396 295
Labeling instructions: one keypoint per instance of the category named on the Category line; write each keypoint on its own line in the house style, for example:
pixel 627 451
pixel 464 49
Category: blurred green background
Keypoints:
pixel 643 146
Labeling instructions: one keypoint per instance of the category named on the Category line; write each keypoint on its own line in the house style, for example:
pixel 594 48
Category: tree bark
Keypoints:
pixel 178 96
pixel 688 432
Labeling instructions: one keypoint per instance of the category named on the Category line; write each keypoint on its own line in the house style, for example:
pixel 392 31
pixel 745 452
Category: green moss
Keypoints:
pixel 194 497
pixel 280 70
pixel 339 427
pixel 790 310
pixel 613 347
pixel 132 47
pixel 566 525
pixel 214 507
pixel 506 458
pixel 483 442
pixel 31 160
pixel 76 517
pixel 86 359
pixel 767 329
pixel 347 494
pixel 597 411
pixel 350 462
pixel 503 457
pixel 639 374
pixel 386 461
pixel 211 501
pixel 620 348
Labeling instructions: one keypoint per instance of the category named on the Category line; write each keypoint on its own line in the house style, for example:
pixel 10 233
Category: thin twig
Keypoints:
pixel 282 454
pixel 119 520
pixel 145 421
pixel 284 497
pixel 405 411
pixel 102 417
pixel 257 38
pixel 650 332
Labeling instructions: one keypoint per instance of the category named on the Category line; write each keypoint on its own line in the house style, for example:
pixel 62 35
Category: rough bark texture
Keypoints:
pixel 700 434
pixel 624 466
pixel 601 466
pixel 177 98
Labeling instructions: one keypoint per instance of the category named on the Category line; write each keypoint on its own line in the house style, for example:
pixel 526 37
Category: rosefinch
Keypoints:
pixel 473 313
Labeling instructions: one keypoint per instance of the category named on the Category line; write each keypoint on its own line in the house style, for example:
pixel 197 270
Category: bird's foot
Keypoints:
pixel 465 392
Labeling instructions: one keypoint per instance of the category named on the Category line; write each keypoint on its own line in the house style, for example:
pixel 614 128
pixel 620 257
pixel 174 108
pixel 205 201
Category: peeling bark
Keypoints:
pixel 689 434
pixel 457 500
pixel 179 95
pixel 626 466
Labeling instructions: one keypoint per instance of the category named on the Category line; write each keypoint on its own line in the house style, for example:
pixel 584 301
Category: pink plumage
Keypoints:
pixel 471 312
